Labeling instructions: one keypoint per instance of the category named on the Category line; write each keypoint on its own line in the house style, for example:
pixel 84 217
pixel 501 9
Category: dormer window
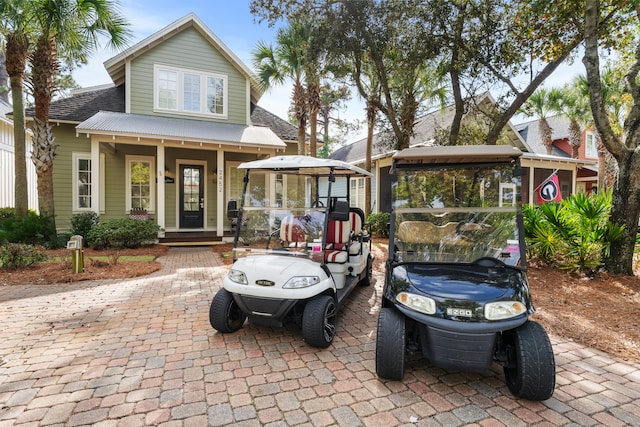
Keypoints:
pixel 185 91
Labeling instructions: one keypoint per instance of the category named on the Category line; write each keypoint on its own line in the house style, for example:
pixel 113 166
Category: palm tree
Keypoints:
pixel 275 66
pixel 616 103
pixel 67 28
pixel 14 26
pixel 575 106
pixel 540 104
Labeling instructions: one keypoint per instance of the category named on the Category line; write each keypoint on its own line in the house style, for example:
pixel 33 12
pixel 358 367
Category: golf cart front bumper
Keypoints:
pixel 265 311
pixel 464 346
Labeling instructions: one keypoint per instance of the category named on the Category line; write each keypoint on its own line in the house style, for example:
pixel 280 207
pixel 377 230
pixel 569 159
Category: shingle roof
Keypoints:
pixel 79 107
pixel 285 130
pixel 424 133
pixel 83 105
pixel 530 132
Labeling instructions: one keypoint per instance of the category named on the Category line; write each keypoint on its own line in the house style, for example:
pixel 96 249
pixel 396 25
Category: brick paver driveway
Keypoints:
pixel 142 352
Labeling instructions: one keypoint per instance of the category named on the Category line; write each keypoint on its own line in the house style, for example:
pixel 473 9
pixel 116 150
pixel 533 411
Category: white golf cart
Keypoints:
pixel 299 249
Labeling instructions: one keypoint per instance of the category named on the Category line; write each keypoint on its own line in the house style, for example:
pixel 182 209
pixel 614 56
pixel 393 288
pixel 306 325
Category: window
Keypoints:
pixel 189 91
pixel 167 89
pixel 590 148
pixel 357 192
pixel 82 181
pixel 140 183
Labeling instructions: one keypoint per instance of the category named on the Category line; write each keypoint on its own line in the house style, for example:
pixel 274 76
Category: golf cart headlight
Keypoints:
pixel 238 277
pixel 301 282
pixel 417 302
pixel 503 310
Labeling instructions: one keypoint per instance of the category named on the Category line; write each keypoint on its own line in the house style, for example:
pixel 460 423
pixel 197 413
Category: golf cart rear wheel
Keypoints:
pixel 391 344
pixel 366 280
pixel 531 373
pixel 224 314
pixel 319 321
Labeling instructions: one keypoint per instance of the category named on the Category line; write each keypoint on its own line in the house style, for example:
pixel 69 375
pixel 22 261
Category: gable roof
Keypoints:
pixel 282 128
pixel 424 134
pixel 530 132
pixel 116 66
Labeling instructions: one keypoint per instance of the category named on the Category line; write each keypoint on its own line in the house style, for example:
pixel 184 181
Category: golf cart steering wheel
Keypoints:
pixel 317 204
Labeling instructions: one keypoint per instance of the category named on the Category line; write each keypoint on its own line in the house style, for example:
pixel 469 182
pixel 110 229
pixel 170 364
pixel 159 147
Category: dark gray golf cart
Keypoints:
pixel 456 287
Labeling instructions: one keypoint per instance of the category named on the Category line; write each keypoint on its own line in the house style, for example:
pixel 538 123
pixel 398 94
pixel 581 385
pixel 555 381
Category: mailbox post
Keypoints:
pixel 77 258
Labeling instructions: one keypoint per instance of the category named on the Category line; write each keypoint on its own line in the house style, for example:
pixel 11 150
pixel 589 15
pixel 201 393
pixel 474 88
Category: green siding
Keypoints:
pixel 68 143
pixel 189 50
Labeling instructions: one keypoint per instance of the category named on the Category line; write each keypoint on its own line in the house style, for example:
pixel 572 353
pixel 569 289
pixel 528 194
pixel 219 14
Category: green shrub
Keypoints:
pixel 120 233
pixel 81 224
pixel 31 229
pixel 15 256
pixel 6 213
pixel 379 223
pixel 574 234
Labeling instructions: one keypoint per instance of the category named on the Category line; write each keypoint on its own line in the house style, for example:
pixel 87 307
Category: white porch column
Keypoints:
pixel 95 176
pixel 160 208
pixel 531 186
pixel 221 214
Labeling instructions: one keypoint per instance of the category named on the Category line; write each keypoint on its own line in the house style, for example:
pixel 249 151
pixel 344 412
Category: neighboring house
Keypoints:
pixel 540 167
pixel 7 162
pixel 167 137
pixel 587 178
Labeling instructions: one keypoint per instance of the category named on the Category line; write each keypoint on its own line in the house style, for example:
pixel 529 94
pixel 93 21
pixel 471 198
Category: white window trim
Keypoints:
pixel 76 156
pixel 152 176
pixel 590 154
pixel 180 92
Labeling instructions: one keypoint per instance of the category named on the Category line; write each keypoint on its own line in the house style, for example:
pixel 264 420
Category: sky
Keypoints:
pixel 231 21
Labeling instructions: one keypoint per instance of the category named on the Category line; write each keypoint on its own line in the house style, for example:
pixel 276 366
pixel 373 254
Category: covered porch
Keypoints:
pixel 181 172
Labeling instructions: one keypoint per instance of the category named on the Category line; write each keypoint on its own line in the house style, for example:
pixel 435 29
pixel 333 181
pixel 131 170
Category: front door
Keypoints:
pixel 191 196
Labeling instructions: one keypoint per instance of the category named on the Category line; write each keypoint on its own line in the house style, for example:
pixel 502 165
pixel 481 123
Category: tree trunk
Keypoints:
pixel 21 189
pixel 625 210
pixel 625 207
pixel 371 120
pixel 574 138
pixel 17 47
pixel 301 116
pixel 44 151
pixel 313 92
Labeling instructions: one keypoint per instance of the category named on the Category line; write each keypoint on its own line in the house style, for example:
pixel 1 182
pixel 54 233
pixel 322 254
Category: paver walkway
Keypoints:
pixel 141 352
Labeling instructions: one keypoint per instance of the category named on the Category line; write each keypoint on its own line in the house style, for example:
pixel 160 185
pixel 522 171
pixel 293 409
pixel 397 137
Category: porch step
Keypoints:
pixel 195 238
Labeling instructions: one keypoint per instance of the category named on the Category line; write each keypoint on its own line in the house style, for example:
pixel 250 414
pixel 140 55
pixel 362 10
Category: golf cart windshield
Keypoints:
pixel 456 213
pixel 285 202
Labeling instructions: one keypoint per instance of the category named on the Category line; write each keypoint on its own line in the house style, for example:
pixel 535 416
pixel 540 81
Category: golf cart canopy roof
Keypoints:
pixel 457 154
pixel 305 165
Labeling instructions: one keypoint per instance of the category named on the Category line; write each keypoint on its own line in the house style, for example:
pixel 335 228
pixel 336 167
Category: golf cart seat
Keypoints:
pixel 291 233
pixel 338 235
pixel 358 234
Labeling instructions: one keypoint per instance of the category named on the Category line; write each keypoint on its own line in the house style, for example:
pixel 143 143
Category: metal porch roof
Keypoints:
pixel 137 125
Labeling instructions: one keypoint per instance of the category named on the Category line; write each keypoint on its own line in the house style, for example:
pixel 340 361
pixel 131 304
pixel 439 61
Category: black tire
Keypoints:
pixel 224 314
pixel 319 321
pixel 391 344
pixel 531 373
pixel 368 278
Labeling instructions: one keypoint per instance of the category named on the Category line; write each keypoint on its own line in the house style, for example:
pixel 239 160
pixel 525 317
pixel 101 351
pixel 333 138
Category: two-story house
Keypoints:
pixel 168 136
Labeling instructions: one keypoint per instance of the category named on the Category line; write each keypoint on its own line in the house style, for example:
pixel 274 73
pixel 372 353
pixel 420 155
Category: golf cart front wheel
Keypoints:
pixel 319 321
pixel 224 314
pixel 531 373
pixel 391 343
